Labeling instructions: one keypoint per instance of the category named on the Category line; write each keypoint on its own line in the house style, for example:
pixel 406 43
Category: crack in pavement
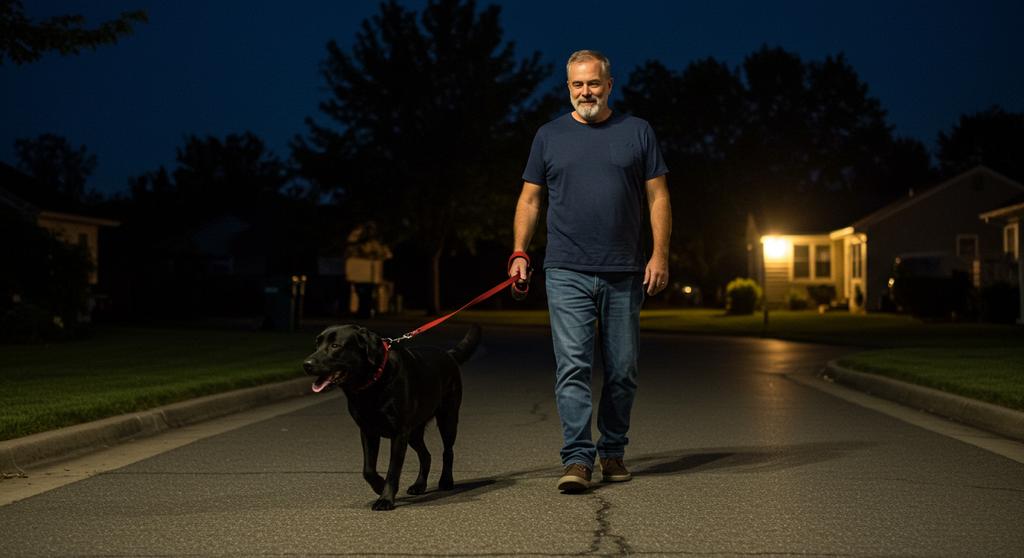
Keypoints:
pixel 535 412
pixel 603 534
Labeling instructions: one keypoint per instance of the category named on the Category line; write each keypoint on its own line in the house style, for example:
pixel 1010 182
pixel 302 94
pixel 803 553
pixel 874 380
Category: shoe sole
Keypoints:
pixel 573 484
pixel 616 478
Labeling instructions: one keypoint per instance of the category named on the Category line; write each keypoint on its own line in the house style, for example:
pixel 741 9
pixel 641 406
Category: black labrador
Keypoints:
pixel 393 392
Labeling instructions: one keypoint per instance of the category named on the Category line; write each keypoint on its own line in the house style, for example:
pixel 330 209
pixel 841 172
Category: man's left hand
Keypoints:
pixel 655 276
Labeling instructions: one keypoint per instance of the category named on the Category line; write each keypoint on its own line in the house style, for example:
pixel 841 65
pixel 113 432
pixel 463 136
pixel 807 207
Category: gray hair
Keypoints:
pixel 584 55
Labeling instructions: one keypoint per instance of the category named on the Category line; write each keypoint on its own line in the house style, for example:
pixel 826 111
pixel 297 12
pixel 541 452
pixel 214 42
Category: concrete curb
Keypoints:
pixel 74 441
pixel 986 416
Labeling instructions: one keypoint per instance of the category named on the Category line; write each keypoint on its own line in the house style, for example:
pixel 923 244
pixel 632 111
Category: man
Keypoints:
pixel 600 170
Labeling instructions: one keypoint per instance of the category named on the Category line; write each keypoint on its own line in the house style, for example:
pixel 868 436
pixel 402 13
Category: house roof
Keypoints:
pixel 904 203
pixel 1012 208
pixel 795 220
pixel 28 196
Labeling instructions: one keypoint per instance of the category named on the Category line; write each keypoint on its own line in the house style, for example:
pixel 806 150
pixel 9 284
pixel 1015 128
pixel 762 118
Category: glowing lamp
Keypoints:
pixel 775 247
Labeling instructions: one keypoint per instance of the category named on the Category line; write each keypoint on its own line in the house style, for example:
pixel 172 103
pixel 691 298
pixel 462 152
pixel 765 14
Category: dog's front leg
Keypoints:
pixel 371 447
pixel 387 498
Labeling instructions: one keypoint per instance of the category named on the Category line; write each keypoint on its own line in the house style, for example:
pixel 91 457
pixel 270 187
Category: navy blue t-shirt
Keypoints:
pixel 595 175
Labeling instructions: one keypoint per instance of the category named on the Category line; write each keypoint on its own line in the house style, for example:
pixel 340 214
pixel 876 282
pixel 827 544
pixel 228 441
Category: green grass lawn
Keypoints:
pixel 122 370
pixel 993 374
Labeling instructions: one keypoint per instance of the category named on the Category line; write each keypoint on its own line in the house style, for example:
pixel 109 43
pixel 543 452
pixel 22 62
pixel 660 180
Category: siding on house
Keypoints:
pixel 932 222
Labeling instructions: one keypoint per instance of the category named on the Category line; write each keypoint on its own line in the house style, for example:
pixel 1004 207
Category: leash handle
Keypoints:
pixel 520 288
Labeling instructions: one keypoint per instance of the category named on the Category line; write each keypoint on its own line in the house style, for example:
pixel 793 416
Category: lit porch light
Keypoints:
pixel 775 247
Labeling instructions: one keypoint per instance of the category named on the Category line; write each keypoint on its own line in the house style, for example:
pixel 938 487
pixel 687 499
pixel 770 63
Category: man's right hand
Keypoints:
pixel 519 267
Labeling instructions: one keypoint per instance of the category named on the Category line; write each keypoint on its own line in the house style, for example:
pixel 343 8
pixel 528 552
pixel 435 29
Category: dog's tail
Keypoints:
pixel 464 349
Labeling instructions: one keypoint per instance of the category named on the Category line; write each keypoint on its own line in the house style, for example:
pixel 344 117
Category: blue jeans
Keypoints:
pixel 584 307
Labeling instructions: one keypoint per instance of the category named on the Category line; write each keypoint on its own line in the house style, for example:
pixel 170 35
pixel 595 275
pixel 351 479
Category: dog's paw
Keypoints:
pixel 383 505
pixel 417 489
pixel 446 484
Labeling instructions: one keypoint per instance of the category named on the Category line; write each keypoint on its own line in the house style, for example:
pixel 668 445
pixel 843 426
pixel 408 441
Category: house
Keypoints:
pixel 69 223
pixel 1009 218
pixel 857 259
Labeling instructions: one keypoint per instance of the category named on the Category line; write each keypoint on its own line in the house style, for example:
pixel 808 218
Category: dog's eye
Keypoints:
pixel 335 346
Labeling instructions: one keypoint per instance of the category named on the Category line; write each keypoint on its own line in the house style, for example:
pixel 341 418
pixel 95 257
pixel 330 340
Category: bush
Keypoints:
pixel 1000 303
pixel 797 300
pixel 821 294
pixel 742 296
pixel 44 283
pixel 28 323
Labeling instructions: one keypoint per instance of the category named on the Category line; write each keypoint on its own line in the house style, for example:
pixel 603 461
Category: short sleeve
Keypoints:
pixel 654 163
pixel 536 169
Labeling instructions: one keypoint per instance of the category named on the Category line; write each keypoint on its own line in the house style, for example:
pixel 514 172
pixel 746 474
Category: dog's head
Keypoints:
pixel 346 355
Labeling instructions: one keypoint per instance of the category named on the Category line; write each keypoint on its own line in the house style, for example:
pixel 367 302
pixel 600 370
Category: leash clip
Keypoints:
pixel 405 337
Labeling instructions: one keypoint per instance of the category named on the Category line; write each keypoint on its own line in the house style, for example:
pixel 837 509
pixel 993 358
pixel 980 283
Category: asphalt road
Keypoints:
pixel 730 457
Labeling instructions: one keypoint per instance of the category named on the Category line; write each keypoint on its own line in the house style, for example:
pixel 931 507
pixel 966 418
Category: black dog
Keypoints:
pixel 393 392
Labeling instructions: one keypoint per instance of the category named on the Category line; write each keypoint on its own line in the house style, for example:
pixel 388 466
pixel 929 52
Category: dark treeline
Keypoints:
pixel 425 130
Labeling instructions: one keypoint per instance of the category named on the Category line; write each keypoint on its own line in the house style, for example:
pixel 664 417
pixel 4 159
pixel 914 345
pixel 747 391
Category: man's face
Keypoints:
pixel 588 90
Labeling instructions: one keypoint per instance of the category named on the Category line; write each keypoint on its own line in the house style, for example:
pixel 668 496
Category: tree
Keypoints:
pixel 801 144
pixel 428 112
pixel 44 284
pixel 237 173
pixel 992 137
pixel 55 164
pixel 23 41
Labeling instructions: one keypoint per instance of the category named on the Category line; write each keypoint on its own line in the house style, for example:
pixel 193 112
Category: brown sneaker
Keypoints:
pixel 575 479
pixel 613 470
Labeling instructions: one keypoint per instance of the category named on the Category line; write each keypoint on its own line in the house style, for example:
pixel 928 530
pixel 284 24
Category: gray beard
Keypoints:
pixel 588 112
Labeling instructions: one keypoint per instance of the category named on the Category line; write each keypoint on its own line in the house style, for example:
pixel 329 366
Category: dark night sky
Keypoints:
pixel 234 65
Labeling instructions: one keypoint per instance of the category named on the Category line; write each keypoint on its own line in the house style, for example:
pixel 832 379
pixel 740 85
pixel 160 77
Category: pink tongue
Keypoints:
pixel 321 385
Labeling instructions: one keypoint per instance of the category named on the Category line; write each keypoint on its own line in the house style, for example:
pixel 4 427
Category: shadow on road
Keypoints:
pixel 744 460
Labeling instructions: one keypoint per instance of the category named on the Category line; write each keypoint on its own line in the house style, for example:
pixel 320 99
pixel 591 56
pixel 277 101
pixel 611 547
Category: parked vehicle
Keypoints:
pixel 931 285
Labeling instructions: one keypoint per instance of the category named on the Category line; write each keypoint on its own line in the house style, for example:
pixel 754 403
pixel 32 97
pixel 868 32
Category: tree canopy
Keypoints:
pixel 23 41
pixel 993 137
pixel 424 111
pixel 798 144
pixel 58 166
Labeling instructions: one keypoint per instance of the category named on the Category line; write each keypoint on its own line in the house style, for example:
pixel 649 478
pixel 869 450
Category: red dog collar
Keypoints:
pixel 380 369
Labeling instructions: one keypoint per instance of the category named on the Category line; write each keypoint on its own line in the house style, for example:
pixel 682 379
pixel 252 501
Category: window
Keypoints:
pixel 801 261
pixel 967 246
pixel 856 261
pixel 823 261
pixel 1010 233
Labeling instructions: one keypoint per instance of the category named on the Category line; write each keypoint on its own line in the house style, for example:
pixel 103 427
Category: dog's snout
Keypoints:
pixel 308 366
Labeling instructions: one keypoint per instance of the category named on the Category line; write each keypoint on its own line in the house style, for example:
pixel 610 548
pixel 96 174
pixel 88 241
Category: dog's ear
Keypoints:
pixel 371 344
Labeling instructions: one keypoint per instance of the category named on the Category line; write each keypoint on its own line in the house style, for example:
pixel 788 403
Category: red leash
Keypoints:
pixel 430 325
pixel 388 342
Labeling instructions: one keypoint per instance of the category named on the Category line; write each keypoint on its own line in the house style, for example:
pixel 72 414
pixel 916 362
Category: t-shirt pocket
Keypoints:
pixel 621 153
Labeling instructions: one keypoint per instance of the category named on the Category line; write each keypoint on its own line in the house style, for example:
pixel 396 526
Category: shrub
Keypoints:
pixel 821 294
pixel 742 296
pixel 1000 303
pixel 797 300
pixel 44 281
